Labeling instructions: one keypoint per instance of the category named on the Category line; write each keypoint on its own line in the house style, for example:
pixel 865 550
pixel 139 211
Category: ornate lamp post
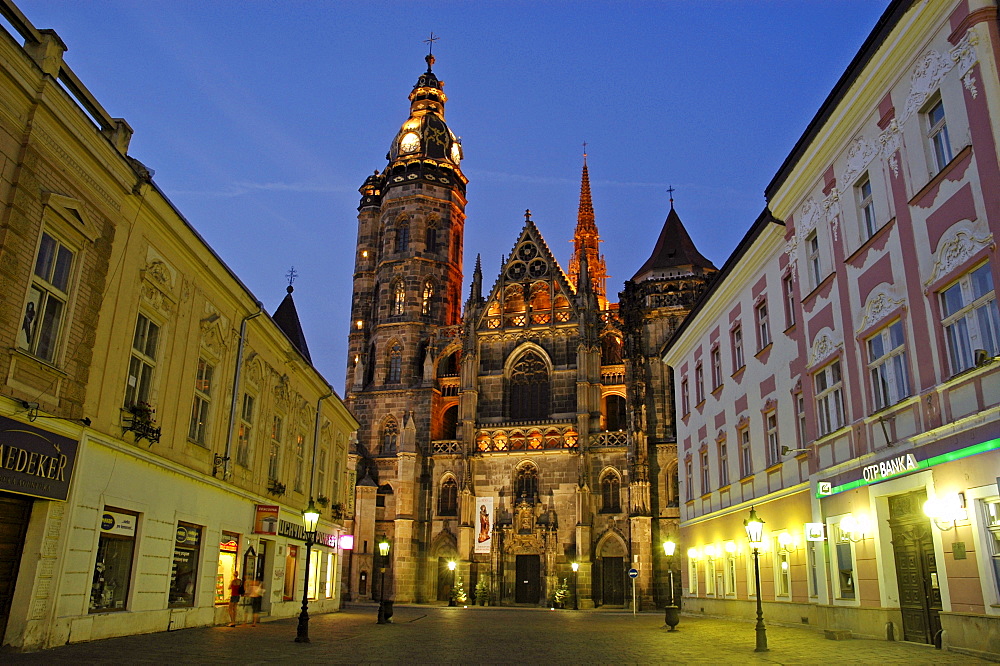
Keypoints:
pixel 451 595
pixel 672 614
pixel 310 518
pixel 383 551
pixel 755 532
pixel 576 571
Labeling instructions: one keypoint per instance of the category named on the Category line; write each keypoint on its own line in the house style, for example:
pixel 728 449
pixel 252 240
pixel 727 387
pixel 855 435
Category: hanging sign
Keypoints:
pixel 34 461
pixel 484 535
pixel 815 532
pixel 266 519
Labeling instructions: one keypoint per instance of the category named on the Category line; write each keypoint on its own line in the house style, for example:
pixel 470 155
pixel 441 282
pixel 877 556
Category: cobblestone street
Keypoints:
pixel 429 634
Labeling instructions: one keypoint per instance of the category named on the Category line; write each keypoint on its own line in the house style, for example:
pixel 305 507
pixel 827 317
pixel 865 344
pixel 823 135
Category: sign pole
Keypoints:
pixel 635 602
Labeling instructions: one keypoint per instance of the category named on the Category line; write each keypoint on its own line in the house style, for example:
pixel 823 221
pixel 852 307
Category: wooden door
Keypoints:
pixel 526 585
pixel 613 581
pixel 916 568
pixel 14 513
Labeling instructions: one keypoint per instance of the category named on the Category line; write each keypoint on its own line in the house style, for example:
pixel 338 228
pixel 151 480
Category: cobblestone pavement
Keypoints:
pixel 433 634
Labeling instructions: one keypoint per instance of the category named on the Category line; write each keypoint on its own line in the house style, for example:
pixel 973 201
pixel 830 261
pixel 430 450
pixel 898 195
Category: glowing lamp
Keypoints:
pixel 754 527
pixel 310 517
pixel 346 542
pixel 383 546
pixel 669 547
pixel 451 565
pixel 576 566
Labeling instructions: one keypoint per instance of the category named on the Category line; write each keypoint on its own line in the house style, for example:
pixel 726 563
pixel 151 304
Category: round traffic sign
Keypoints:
pixel 633 573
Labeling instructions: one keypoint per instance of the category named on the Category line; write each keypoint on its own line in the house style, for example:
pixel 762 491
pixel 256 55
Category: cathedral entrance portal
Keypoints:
pixel 526 588
pixel 613 581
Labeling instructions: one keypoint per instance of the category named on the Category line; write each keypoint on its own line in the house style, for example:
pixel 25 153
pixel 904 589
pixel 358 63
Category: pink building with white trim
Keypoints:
pixel 842 375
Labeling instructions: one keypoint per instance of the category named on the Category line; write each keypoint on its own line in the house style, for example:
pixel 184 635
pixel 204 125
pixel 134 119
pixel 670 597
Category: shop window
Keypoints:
pixel 330 575
pixel 829 398
pixel 274 456
pixel 709 575
pixel 991 515
pixel 50 287
pixel 692 576
pixel 243 437
pixel 228 557
pixel 142 362
pixel 844 561
pixel 970 318
pixel 813 568
pixel 113 568
pixel 729 576
pixel 782 571
pixel 751 576
pixel 312 592
pixel 291 567
pixel 887 366
pixel 202 401
pixel 184 571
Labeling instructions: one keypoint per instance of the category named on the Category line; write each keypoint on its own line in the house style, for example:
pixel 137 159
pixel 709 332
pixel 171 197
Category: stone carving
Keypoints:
pixel 824 344
pixel 969 81
pixel 157 271
pixel 956 247
pixel 879 304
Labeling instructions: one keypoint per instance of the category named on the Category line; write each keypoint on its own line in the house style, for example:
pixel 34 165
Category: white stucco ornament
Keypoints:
pixel 956 247
pixel 879 304
pixel 825 344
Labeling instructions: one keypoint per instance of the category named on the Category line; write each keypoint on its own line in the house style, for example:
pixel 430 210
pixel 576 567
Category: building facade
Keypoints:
pixel 851 344
pixel 159 432
pixel 524 432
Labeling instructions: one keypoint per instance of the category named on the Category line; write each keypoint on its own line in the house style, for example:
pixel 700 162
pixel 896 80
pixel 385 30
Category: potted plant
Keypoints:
pixel 275 487
pixel 560 594
pixel 337 511
pixel 140 420
pixel 482 592
pixel 323 501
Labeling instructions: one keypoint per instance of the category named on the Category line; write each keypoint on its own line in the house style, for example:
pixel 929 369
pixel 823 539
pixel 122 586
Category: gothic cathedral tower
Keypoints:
pixel 407 289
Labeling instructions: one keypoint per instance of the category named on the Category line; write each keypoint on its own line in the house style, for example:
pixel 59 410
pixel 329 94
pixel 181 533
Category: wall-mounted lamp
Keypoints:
pixel 693 553
pixel 730 547
pixel 785 450
pixel 853 528
pixel 946 510
pixel 710 552
pixel 786 543
pixel 982 357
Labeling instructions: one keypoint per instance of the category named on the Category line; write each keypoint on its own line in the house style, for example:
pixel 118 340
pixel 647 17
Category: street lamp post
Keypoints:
pixel 672 614
pixel 451 594
pixel 383 551
pixel 310 518
pixel 576 599
pixel 755 531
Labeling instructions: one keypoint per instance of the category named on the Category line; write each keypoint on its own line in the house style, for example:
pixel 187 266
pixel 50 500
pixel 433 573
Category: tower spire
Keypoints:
pixel 587 241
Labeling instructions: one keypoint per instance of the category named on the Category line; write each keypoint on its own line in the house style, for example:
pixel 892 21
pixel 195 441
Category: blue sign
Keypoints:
pixel 633 573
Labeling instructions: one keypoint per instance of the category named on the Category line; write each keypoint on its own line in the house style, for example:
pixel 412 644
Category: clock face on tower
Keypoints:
pixel 410 143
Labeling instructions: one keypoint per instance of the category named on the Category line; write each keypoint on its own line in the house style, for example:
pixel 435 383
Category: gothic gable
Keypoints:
pixel 532 290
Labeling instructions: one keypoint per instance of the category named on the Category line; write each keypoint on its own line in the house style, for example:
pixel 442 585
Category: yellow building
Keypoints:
pixel 158 431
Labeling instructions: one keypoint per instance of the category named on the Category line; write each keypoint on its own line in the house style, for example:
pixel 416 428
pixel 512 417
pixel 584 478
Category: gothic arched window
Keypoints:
pixel 526 483
pixel 403 237
pixel 449 423
pixel 611 350
pixel 383 491
pixel 370 367
pixel 448 498
pixel 395 371
pixel 398 297
pixel 425 302
pixel 614 416
pixel 529 388
pixel 611 493
pixel 389 436
pixel 431 236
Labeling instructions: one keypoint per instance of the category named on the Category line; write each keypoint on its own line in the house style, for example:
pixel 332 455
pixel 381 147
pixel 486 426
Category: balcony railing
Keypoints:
pixel 606 439
pixel 446 446
pixel 537 438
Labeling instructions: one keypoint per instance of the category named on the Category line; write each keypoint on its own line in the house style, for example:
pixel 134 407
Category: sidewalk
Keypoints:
pixel 436 634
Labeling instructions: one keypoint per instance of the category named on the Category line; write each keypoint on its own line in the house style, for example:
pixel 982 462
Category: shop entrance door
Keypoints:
pixel 916 567
pixel 526 587
pixel 14 513
pixel 613 581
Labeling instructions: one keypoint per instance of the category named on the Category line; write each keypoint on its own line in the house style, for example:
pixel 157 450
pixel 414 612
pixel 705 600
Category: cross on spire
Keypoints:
pixel 527 215
pixel 291 275
pixel 430 43
pixel 670 189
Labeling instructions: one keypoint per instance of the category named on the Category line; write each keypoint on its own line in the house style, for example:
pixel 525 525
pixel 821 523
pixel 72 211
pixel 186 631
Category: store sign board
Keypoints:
pixel 890 467
pixel 815 532
pixel 113 522
pixel 266 519
pixel 34 461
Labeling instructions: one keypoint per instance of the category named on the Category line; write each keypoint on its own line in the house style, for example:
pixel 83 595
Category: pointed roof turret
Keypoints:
pixel 587 241
pixel 287 319
pixel 674 253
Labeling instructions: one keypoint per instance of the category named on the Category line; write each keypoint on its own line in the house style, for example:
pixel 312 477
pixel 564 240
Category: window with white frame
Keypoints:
pixel 844 562
pixel 829 398
pixel 866 207
pixel 729 575
pixel 300 461
pixel 706 476
pixel 245 431
pixel 709 575
pixel 737 339
pixel 50 286
pixel 751 576
pixel 970 318
pixel 202 401
pixel 937 135
pixel 685 397
pixel 887 366
pixel 692 575
pixel 813 260
pixel 788 291
pixel 689 478
pixel 763 326
pixel 746 455
pixel 991 519
pixel 800 421
pixel 274 455
pixel 142 362
pixel 813 568
pixel 782 571
pixel 321 474
pixel 699 384
pixel 716 368
pixel 723 464
pixel 773 444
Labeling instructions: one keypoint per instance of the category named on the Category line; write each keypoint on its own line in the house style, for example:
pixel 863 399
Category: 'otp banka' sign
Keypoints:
pixel 890 467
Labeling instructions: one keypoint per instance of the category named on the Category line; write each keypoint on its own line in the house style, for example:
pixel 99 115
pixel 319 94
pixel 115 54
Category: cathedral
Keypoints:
pixel 518 446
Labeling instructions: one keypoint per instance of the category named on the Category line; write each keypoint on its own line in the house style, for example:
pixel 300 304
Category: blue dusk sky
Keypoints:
pixel 262 119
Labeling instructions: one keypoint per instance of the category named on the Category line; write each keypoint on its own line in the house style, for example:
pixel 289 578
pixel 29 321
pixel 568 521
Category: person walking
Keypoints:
pixel 235 592
pixel 255 592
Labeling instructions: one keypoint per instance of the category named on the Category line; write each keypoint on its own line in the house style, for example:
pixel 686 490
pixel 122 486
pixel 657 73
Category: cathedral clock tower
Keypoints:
pixel 407 296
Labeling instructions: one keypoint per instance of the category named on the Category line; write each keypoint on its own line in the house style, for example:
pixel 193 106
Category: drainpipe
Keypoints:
pixel 236 387
pixel 312 472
